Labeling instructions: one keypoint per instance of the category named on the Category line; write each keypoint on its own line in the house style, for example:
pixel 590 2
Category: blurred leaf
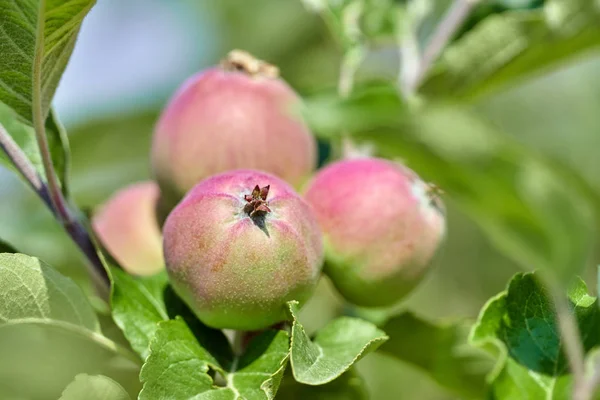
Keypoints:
pixel 178 367
pixel 349 386
pixel 39 360
pixel 525 206
pixel 6 248
pixel 96 387
pixel 47 321
pixel 24 137
pixel 110 153
pixel 513 45
pixel 353 22
pixel 336 347
pixel 41 31
pixel 32 291
pixel 519 326
pixel 439 351
pixel 305 54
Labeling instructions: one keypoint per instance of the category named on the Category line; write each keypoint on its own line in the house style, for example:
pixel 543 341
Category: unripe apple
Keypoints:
pixel 381 224
pixel 233 116
pixel 239 246
pixel 126 225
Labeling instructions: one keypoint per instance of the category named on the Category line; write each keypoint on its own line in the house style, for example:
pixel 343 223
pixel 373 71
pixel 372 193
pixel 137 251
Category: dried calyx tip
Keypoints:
pixel 434 193
pixel 239 60
pixel 256 202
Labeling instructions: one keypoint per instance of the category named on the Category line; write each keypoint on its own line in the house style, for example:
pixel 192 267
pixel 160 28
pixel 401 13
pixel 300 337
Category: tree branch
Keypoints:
pixel 25 168
pixel 73 227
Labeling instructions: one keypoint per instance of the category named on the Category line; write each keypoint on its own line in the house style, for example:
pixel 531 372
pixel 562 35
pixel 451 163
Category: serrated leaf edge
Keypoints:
pixel 371 345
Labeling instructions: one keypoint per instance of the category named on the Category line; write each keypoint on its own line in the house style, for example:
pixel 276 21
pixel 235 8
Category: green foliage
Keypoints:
pixel 94 387
pixel 36 32
pixel 138 306
pixel 46 320
pixel 440 351
pixel 334 350
pixel 32 291
pixel 23 136
pixel 513 45
pixel 538 212
pixel 140 303
pixel 179 367
pixel 37 38
pixel 519 327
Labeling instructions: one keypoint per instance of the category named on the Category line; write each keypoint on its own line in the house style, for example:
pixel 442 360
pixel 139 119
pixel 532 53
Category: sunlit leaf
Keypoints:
pixel 45 321
pixel 335 348
pixel 140 303
pixel 519 327
pixel 179 367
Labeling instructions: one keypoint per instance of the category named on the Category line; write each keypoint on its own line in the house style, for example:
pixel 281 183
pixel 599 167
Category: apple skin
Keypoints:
pixel 381 226
pixel 235 270
pixel 226 118
pixel 127 226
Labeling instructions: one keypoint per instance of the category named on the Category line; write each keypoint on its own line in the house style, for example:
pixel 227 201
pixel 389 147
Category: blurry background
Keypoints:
pixel 131 56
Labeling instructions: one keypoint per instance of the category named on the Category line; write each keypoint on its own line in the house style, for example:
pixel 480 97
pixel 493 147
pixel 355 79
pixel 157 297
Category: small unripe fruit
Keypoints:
pixel 126 225
pixel 382 227
pixel 237 115
pixel 239 246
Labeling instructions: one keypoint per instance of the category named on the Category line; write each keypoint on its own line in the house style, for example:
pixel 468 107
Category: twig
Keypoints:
pixel 75 230
pixel 452 21
pixel 60 206
pixel 588 390
pixel 569 332
pixel 22 164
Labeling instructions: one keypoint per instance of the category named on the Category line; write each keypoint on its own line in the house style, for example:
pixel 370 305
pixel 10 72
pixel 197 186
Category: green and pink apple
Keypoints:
pixel 127 226
pixel 239 246
pixel 382 226
pixel 236 115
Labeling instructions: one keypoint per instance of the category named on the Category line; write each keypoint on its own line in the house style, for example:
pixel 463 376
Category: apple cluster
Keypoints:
pixel 224 214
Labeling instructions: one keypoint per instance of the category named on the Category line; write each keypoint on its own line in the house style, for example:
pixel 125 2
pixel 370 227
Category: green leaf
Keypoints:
pixel 94 387
pixel 37 38
pixel 23 136
pixel 140 303
pixel 45 321
pixel 30 290
pixel 138 306
pixel 36 31
pixel 442 352
pixel 522 202
pixel 349 386
pixel 6 248
pixel 519 327
pixel 180 368
pixel 334 350
pixel 514 45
